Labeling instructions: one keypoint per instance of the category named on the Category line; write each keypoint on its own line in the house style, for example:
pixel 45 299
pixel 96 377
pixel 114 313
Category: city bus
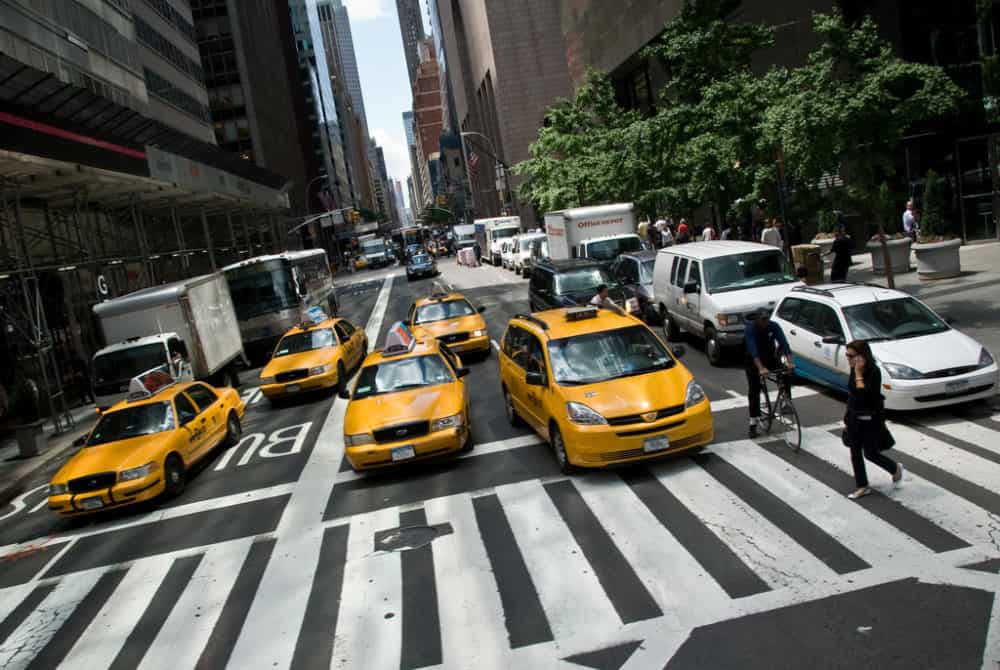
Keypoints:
pixel 273 293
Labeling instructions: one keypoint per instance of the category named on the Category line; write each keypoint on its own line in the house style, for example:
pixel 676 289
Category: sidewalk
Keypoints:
pixel 17 474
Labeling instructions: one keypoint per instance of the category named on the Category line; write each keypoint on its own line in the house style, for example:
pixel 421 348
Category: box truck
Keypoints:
pixel 464 235
pixel 493 232
pixel 373 250
pixel 189 325
pixel 601 233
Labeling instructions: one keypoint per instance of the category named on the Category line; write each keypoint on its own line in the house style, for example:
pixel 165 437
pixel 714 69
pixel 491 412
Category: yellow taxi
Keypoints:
pixel 143 447
pixel 360 263
pixel 312 357
pixel 450 319
pixel 409 403
pixel 601 387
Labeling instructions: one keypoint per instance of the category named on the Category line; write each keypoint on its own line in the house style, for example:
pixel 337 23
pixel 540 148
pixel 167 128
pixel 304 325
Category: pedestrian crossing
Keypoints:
pixel 531 572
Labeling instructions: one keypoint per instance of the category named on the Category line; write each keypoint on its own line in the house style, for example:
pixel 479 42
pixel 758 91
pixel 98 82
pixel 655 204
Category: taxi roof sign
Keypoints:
pixel 581 313
pixel 316 315
pixel 399 340
pixel 150 382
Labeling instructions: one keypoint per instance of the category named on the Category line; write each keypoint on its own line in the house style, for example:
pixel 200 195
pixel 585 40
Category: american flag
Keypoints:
pixel 473 161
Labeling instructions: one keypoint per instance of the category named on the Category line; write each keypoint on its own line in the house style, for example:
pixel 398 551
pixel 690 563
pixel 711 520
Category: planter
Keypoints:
pixel 825 244
pixel 938 260
pixel 899 255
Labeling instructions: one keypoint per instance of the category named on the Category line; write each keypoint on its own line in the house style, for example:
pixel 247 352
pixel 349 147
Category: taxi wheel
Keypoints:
pixel 512 415
pixel 173 473
pixel 233 430
pixel 559 448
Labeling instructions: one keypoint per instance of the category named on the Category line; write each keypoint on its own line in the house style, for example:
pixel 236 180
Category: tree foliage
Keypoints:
pixel 934 223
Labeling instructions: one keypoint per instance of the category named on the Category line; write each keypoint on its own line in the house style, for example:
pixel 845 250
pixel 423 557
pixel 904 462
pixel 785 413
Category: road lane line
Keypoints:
pixel 103 639
pixel 495 345
pixel 952 460
pixel 421 624
pixel 571 594
pixel 189 625
pixel 314 648
pixel 279 606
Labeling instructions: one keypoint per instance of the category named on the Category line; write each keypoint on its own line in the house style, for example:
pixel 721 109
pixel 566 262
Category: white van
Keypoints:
pixel 709 289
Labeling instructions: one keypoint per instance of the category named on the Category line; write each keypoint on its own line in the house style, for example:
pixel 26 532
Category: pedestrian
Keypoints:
pixel 732 231
pixel 866 433
pixel 843 247
pixel 709 233
pixel 667 236
pixel 479 254
pixel 766 346
pixel 603 301
pixel 683 232
pixel 911 226
pixel 771 235
pixel 81 377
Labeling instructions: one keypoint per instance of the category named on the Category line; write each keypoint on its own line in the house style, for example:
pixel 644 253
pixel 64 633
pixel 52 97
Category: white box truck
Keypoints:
pixel 193 318
pixel 373 250
pixel 464 235
pixel 602 233
pixel 494 231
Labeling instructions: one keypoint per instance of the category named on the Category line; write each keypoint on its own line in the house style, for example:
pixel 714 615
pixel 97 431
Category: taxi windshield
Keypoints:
pixel 439 311
pixel 610 354
pixel 301 342
pixel 403 374
pixel 131 422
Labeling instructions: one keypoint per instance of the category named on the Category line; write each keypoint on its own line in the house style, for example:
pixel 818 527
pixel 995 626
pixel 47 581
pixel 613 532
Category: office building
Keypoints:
pixel 411 29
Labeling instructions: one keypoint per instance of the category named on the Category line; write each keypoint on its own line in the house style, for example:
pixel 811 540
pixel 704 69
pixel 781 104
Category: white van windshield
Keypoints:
pixel 747 270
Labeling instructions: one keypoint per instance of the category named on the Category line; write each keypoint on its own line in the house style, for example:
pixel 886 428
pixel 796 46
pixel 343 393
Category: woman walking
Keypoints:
pixel 866 433
pixel 843 247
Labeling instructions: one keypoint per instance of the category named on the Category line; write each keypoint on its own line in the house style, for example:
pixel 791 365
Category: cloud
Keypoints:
pixel 368 10
pixel 397 154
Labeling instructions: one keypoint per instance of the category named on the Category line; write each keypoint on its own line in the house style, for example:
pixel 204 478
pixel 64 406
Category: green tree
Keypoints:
pixel 934 225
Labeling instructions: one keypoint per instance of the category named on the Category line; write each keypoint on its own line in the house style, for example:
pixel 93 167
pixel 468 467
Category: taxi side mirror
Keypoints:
pixel 344 393
pixel 481 309
pixel 534 379
pixel 462 372
pixel 80 441
pixel 678 351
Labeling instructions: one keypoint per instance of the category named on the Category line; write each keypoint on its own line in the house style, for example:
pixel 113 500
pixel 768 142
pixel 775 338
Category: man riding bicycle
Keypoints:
pixel 765 345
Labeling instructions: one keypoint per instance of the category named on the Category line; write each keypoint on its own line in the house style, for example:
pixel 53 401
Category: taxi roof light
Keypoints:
pixel 150 382
pixel 399 340
pixel 581 313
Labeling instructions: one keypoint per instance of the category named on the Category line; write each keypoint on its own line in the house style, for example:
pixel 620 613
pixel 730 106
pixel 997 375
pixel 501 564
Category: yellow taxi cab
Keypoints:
pixel 360 263
pixel 601 387
pixel 450 319
pixel 142 447
pixel 409 403
pixel 313 356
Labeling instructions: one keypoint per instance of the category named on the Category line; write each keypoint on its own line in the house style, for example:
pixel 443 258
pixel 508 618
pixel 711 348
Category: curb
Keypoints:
pixel 11 488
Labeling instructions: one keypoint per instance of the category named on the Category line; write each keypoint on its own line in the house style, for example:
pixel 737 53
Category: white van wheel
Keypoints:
pixel 670 326
pixel 713 350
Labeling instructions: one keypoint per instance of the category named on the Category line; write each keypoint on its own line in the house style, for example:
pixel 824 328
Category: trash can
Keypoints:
pixel 31 439
pixel 809 257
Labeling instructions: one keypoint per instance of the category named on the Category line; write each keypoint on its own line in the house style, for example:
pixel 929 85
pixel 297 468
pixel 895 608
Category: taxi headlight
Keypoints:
pixel 453 421
pixel 478 333
pixel 985 359
pixel 358 440
pixel 900 371
pixel 581 414
pixel 695 394
pixel 139 472
pixel 266 380
pixel 320 370
pixel 58 489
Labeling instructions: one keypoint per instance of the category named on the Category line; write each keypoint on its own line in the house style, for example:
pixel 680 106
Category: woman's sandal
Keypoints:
pixel 860 493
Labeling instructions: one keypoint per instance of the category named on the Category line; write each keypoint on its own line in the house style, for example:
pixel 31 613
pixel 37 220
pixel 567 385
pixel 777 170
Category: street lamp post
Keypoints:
pixel 504 168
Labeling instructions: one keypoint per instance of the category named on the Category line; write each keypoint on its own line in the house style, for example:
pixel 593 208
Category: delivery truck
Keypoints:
pixel 600 233
pixel 494 231
pixel 373 250
pixel 464 235
pixel 188 325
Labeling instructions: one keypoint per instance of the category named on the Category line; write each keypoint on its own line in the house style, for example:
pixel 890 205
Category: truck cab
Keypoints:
pixel 115 365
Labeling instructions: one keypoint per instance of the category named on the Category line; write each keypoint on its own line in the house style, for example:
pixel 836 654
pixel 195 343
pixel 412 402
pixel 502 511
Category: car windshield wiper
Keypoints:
pixel 404 387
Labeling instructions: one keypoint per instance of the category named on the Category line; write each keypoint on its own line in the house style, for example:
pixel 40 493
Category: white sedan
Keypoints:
pixel 924 361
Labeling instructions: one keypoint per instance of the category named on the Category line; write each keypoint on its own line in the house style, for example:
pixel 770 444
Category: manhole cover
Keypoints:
pixel 410 537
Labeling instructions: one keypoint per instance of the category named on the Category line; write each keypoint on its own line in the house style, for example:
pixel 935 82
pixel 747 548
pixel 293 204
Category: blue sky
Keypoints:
pixel 384 82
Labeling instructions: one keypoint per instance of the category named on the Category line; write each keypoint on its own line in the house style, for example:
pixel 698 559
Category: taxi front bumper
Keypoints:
pixel 605 445
pixel 438 443
pixel 473 344
pixel 121 494
pixel 327 380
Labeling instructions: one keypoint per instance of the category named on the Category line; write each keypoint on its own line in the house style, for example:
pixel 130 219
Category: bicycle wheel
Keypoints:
pixel 766 415
pixel 787 419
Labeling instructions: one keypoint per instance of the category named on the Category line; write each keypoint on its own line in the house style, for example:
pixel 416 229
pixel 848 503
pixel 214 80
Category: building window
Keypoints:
pixel 159 87
pixel 152 38
pixel 173 17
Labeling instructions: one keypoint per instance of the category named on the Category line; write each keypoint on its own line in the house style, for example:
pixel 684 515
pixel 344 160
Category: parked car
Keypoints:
pixel 569 282
pixel 709 289
pixel 924 361
pixel 421 265
pixel 634 271
pixel 521 252
pixel 539 250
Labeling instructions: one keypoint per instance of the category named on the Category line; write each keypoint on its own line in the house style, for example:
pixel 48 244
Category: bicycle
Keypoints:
pixel 782 413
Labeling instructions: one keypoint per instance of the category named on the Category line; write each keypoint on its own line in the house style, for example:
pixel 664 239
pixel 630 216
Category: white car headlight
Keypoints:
pixel 264 381
pixel 320 370
pixel 358 440
pixel 985 359
pixel 695 394
pixel 478 333
pixel 453 421
pixel 900 371
pixel 139 472
pixel 581 414
pixel 58 489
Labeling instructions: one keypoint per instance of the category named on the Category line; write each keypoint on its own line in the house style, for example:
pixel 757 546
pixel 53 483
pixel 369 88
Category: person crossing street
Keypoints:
pixel 765 346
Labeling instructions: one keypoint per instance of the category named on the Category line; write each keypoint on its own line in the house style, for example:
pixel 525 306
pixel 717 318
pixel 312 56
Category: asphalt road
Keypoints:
pixel 744 556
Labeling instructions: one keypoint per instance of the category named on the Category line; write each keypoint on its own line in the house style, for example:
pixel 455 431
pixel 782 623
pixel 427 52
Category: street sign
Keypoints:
pixel 102 286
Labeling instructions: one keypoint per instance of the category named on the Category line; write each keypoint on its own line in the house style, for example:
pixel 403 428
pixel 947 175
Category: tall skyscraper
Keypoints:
pixel 411 28
pixel 346 61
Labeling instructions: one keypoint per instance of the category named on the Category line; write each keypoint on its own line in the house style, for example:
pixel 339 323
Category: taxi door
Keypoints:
pixel 349 347
pixel 535 396
pixel 210 414
pixel 191 427
pixel 513 366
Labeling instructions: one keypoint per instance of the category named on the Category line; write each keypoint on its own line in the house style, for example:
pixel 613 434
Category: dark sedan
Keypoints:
pixel 421 265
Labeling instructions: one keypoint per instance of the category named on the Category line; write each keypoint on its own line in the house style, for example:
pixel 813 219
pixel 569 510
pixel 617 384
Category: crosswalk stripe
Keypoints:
pixel 523 614
pixel 469 606
pixel 570 593
pixel 109 628
pixel 967 435
pixel 369 631
pixel 17 603
pixel 864 534
pixel 314 647
pixel 776 558
pixel 187 628
pixel 623 587
pixel 38 628
pixel 738 400
pixel 676 581
pixel 421 624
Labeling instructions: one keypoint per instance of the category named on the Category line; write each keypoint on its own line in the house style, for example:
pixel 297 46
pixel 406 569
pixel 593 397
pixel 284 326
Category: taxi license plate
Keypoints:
pixel 403 453
pixel 91 503
pixel 654 444
pixel 952 388
pixel 293 388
